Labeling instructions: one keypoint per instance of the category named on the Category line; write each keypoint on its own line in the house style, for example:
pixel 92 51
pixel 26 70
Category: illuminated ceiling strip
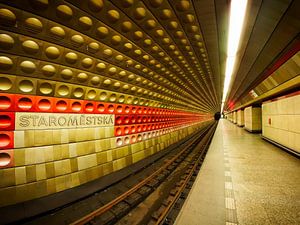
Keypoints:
pixel 236 21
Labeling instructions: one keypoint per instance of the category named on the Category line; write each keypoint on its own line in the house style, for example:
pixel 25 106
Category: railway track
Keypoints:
pixel 112 205
pixel 123 204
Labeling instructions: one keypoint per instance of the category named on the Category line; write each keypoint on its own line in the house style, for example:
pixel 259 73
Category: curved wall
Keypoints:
pixel 84 92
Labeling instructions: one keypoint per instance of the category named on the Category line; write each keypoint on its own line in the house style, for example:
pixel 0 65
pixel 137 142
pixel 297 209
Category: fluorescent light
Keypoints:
pixel 236 21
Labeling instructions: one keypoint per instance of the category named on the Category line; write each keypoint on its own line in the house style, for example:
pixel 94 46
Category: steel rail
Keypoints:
pixel 164 214
pixel 123 196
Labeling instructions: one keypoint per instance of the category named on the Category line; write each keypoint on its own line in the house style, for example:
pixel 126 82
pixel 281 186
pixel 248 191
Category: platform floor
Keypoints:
pixel 243 180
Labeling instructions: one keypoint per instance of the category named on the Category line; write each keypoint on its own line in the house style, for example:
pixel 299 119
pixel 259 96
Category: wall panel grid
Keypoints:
pixel 90 87
pixel 252 119
pixel 280 121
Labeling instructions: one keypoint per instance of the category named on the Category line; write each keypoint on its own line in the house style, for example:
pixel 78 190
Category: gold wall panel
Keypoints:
pixel 146 53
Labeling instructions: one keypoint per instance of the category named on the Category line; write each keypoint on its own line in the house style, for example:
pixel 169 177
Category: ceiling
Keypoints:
pixel 161 53
pixel 271 29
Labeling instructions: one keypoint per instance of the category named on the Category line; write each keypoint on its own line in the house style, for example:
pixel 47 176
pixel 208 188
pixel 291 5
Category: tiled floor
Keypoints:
pixel 244 180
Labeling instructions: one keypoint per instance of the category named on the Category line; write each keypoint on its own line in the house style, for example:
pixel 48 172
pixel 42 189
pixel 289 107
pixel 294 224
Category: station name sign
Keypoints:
pixel 26 120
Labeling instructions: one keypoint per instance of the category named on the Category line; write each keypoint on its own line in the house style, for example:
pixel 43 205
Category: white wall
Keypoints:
pixel 234 117
pixel 281 121
pixel 252 117
pixel 240 118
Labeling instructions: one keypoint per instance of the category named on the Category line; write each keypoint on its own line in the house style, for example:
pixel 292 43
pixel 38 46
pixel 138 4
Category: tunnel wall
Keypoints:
pixel 83 93
pixel 281 121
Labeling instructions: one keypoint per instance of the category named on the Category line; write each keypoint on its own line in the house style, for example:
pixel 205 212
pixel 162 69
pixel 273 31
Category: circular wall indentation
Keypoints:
pixel 118 131
pixel 93 47
pixel 166 14
pixel 100 67
pixel 77 39
pixel 89 107
pixel 133 129
pixel 61 105
pixel 115 40
pixel 126 130
pixel 95 80
pixel 119 58
pixel 5 63
pixel 101 108
pixel 95 5
pixel 113 15
pixel 126 140
pixel 127 3
pixel 78 92
pixel 76 106
pixel 5 102
pixel 117 85
pixel 156 3
pixel 107 52
pixel 113 97
pixel 71 57
pixel 58 32
pixel 5 121
pixel 64 12
pixel 118 120
pixel 183 5
pixel 139 138
pixel 119 141
pixel 139 13
pixel 103 96
pixel 6 41
pixel 4 159
pixel 127 109
pixel 111 108
pixel 129 100
pixel 52 52
pixel 46 88
pixel 39 4
pixel 30 47
pixel 25 103
pixel 121 99
pixel 26 86
pixel 27 66
pixel 126 120
pixel 188 18
pixel 66 74
pixel 82 77
pixel 4 140
pixel 138 35
pixel 119 109
pixel 150 24
pixel 125 87
pixel 126 26
pixel 48 70
pixel 112 70
pixel 91 94
pixel 85 22
pixel 63 90
pixel 133 139
pixel 87 62
pixel 34 24
pixel 44 104
pixel 127 47
pixel 5 84
pixel 7 17
pixel 107 82
pixel 102 32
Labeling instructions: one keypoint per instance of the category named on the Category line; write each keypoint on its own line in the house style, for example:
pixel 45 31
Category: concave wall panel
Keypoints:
pixel 85 91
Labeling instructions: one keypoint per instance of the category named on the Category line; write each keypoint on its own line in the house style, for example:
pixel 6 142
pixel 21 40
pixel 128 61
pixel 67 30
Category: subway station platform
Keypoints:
pixel 243 180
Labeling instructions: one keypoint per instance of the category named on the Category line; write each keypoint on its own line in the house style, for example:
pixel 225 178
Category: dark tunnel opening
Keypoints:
pixel 217 115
